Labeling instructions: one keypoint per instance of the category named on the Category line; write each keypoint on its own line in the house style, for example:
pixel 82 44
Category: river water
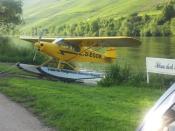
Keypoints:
pixel 161 47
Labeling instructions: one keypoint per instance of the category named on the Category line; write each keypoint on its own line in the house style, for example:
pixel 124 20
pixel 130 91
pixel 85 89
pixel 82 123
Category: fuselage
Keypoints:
pixel 70 54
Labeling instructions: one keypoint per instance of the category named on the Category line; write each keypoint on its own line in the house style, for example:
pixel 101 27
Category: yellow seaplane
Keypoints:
pixel 65 51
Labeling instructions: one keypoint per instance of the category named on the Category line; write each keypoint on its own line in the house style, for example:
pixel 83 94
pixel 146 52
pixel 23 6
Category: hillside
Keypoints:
pixel 49 13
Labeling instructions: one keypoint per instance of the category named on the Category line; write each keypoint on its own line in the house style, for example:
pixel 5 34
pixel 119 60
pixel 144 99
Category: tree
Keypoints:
pixel 10 13
pixel 168 14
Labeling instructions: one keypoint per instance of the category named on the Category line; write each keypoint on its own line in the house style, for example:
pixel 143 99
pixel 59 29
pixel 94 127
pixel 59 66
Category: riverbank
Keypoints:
pixel 78 107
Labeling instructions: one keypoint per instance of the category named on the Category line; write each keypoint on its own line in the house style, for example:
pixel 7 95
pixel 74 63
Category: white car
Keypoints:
pixel 162 116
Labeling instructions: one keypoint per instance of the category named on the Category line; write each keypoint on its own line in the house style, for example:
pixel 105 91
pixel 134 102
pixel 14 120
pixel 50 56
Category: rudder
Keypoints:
pixel 111 53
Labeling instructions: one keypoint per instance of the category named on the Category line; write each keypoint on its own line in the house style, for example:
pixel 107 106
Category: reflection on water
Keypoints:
pixel 161 47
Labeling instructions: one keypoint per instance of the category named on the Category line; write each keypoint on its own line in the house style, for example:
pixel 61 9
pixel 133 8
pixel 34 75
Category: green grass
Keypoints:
pixel 11 68
pixel 77 107
pixel 52 13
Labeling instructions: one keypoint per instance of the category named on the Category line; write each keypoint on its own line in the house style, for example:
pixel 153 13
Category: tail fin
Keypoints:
pixel 111 53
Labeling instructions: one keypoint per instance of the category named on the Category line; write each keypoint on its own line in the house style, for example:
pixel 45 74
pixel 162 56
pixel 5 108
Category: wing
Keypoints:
pixel 35 39
pixel 103 41
pixel 90 41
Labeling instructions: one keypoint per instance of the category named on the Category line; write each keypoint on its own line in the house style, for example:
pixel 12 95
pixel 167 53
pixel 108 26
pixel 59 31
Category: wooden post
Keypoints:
pixel 147 78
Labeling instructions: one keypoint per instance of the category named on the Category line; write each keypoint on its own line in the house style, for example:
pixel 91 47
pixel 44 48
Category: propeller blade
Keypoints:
pixel 39 39
pixel 35 54
pixel 40 35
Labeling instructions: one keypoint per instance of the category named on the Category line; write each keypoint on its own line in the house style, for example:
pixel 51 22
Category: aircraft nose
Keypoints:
pixel 39 45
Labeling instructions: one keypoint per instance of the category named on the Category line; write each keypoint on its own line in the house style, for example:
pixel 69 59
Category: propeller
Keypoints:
pixel 34 49
pixel 39 39
pixel 35 54
pixel 40 36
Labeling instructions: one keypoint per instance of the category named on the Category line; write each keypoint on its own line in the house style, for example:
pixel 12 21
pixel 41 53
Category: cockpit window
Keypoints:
pixel 58 41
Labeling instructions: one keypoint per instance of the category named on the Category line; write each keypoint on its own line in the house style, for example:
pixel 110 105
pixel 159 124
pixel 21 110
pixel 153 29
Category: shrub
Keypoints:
pixel 116 75
pixel 123 75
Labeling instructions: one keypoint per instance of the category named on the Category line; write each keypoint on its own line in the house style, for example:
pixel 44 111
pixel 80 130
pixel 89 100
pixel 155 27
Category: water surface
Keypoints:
pixel 161 47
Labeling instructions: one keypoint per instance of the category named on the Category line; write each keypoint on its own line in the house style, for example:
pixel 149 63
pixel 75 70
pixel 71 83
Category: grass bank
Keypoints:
pixel 78 107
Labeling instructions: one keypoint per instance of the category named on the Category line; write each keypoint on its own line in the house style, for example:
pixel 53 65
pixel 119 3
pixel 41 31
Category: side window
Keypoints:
pixel 169 119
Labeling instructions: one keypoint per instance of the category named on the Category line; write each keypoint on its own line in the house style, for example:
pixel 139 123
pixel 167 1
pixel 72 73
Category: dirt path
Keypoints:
pixel 13 117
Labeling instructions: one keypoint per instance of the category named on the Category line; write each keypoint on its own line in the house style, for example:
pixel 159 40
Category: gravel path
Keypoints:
pixel 13 117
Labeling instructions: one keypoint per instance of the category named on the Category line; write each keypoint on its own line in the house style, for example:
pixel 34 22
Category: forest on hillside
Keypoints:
pixel 132 25
pixel 135 24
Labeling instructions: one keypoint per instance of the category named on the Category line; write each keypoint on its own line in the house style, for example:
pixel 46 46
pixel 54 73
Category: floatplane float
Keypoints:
pixel 65 51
